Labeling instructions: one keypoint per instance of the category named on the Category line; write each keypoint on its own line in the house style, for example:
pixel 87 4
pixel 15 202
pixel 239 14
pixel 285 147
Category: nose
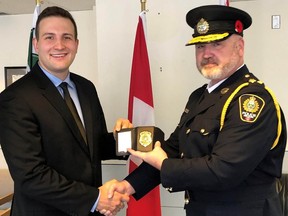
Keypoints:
pixel 207 52
pixel 59 44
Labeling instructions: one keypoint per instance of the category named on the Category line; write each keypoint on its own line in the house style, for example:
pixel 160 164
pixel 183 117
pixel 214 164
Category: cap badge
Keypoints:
pixel 238 26
pixel 250 107
pixel 202 26
pixel 145 138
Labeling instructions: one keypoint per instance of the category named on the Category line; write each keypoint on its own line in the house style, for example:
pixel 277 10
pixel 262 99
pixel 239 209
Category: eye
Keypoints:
pixel 49 37
pixel 216 44
pixel 200 46
pixel 68 38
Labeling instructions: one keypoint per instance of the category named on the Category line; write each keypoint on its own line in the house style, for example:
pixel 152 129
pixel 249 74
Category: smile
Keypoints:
pixel 58 55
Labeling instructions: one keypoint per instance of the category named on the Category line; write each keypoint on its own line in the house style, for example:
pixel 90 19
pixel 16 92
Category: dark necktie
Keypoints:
pixel 73 109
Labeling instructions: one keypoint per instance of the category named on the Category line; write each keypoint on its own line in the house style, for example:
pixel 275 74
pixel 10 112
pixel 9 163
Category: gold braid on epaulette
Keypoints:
pixel 227 103
pixel 278 112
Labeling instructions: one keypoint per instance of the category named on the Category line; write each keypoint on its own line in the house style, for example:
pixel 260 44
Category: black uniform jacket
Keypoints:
pixel 54 171
pixel 231 171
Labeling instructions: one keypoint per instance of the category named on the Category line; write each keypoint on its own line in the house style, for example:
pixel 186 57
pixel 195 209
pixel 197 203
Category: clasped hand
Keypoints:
pixel 111 205
pixel 115 193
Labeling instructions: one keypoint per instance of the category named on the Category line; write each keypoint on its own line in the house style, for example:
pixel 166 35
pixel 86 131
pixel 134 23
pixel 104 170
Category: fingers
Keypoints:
pixel 114 206
pixel 109 183
pixel 157 144
pixel 121 124
pixel 115 187
pixel 110 204
pixel 124 198
pixel 105 212
pixel 109 213
pixel 137 154
pixel 112 212
pixel 154 157
pixel 123 188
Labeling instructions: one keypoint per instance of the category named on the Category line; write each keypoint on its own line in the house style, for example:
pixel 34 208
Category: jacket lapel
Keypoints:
pixel 50 92
pixel 199 101
pixel 85 104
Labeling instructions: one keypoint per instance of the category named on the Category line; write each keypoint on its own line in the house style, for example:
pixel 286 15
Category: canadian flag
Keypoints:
pixel 224 2
pixel 141 113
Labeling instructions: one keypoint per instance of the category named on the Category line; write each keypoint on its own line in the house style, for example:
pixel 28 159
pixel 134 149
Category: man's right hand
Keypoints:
pixel 110 205
pixel 123 187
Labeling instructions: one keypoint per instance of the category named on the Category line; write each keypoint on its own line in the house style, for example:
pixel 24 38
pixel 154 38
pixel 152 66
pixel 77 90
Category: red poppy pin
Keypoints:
pixel 238 26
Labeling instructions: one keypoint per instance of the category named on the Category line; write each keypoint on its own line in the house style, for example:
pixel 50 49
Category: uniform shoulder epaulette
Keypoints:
pixel 276 104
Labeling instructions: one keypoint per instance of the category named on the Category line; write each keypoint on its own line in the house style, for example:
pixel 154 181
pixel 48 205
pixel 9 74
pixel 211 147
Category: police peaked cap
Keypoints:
pixel 216 22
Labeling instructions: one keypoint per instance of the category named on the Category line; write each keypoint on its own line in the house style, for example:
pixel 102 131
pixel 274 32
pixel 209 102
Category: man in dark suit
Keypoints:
pixel 55 165
pixel 227 151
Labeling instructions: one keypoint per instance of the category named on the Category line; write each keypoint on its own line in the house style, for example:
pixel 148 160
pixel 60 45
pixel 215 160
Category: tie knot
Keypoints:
pixel 63 85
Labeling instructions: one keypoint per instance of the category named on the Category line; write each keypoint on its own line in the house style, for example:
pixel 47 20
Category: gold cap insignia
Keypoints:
pixel 202 26
pixel 145 138
pixel 250 107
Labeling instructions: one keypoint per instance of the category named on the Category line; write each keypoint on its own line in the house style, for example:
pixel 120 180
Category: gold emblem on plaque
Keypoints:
pixel 202 26
pixel 145 138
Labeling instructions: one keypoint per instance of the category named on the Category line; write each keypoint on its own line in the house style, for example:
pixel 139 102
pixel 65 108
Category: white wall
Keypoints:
pixel 266 48
pixel 15 32
pixel 167 33
pixel 106 45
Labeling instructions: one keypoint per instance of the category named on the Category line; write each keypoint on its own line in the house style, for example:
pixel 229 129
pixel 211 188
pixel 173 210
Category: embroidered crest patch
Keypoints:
pixel 250 107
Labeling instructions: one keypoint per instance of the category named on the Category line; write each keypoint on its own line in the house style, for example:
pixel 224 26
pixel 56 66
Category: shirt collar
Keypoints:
pixel 56 81
pixel 212 88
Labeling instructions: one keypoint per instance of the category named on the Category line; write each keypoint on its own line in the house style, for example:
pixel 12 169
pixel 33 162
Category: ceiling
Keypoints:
pixel 13 7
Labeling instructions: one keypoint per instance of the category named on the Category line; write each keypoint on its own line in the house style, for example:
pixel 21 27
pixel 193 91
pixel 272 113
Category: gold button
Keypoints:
pixel 188 131
pixel 182 155
pixel 224 90
pixel 186 201
pixel 202 130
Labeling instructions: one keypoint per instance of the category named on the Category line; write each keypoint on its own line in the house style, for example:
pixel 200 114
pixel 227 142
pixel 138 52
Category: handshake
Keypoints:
pixel 113 196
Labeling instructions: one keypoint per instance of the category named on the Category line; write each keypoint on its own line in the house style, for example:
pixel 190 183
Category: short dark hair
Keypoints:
pixel 55 11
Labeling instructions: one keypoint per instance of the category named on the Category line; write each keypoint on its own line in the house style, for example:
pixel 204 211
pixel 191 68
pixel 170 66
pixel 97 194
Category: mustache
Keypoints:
pixel 208 61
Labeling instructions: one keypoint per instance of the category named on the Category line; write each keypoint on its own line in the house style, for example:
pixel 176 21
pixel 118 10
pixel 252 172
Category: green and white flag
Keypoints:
pixel 32 55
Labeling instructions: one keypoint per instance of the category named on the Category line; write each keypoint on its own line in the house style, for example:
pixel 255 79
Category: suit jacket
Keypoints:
pixel 224 172
pixel 54 171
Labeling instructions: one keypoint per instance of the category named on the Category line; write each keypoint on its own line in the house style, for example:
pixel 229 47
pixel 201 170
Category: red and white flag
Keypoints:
pixel 224 2
pixel 141 113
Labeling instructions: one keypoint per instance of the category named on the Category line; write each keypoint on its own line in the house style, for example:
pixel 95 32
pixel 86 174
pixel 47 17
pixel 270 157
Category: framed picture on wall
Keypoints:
pixel 13 73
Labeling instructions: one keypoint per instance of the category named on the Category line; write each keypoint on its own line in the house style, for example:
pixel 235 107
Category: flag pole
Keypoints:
pixel 143 5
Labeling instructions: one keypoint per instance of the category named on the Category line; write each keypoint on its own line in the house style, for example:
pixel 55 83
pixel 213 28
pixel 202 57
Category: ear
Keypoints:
pixel 77 44
pixel 35 44
pixel 240 46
